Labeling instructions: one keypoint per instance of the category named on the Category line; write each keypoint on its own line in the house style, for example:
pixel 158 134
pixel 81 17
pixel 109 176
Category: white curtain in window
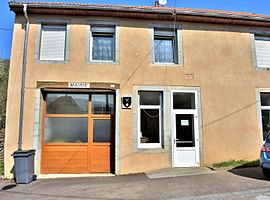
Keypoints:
pixel 53 43
pixel 102 48
pixel 164 50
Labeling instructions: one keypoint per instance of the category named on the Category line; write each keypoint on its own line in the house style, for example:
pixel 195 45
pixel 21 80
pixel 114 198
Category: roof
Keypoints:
pixel 138 11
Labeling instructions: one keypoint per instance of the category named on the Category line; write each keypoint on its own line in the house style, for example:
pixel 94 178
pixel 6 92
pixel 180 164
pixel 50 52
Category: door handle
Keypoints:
pixel 175 139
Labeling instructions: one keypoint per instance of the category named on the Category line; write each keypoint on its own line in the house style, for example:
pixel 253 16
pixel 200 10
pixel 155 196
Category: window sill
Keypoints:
pixel 149 146
pixel 96 62
pixel 51 62
pixel 257 68
pixel 166 64
pixel 152 150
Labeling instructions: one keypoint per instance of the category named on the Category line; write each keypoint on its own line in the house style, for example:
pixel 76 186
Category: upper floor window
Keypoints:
pixel 103 43
pixel 53 43
pixel 165 46
pixel 262 49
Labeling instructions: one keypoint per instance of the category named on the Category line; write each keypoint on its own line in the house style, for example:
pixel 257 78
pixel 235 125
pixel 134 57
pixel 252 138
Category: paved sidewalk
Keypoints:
pixel 177 172
pixel 234 184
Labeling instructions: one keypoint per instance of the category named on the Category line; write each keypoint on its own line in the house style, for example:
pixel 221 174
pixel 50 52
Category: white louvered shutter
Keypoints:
pixel 262 46
pixel 53 43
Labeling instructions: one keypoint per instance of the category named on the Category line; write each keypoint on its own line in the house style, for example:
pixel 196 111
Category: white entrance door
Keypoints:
pixel 185 129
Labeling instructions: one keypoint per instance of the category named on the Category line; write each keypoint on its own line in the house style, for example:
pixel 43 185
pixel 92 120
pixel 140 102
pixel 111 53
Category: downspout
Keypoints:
pixel 23 77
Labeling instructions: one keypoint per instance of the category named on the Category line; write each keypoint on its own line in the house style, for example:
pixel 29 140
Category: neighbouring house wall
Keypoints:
pixel 217 59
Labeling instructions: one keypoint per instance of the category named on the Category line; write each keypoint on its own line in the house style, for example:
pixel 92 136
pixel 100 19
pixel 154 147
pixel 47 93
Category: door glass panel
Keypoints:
pixel 185 130
pixel 103 103
pixel 265 98
pixel 67 103
pixel 102 130
pixel 183 100
pixel 66 130
pixel 265 122
pixel 150 125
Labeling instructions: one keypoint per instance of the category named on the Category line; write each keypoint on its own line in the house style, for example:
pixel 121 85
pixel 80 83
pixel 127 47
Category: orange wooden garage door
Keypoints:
pixel 78 133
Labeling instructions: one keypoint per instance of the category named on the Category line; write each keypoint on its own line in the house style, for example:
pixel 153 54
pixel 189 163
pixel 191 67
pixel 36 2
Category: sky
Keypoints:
pixel 251 6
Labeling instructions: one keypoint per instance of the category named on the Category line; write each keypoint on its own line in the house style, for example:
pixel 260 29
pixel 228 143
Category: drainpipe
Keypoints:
pixel 23 76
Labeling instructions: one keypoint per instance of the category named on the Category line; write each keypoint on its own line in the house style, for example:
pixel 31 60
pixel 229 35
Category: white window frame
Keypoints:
pixel 108 34
pixel 177 39
pixel 262 38
pixel 52 22
pixel 89 44
pixel 55 27
pixel 172 37
pixel 159 107
pixel 253 34
pixel 260 108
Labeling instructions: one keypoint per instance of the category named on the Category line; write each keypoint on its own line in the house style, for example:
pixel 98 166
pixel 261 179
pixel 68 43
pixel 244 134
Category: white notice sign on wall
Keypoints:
pixel 184 123
pixel 78 85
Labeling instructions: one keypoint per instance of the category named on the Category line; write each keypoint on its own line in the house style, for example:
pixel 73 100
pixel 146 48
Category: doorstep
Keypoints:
pixel 179 171
pixel 49 176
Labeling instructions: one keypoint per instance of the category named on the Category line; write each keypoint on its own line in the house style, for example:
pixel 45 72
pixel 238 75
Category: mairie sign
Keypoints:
pixel 78 85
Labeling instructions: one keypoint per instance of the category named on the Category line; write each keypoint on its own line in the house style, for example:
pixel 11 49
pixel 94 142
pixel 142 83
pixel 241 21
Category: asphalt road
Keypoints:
pixel 234 184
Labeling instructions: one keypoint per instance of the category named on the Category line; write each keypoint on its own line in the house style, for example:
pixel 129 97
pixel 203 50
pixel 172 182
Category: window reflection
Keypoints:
pixel 150 98
pixel 66 130
pixel 67 103
pixel 265 122
pixel 102 130
pixel 183 100
pixel 265 98
pixel 102 104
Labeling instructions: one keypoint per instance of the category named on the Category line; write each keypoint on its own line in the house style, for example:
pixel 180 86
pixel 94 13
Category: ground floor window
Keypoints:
pixel 265 112
pixel 150 119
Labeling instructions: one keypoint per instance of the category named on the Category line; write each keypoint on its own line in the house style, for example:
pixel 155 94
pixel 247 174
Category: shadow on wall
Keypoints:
pixel 230 114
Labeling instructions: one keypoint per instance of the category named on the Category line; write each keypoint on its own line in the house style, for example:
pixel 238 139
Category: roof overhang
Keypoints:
pixel 142 12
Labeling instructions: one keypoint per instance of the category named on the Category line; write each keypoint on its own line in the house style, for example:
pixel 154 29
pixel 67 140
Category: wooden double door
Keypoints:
pixel 78 133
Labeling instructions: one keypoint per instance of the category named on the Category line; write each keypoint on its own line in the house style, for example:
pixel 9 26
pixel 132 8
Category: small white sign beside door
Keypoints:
pixel 184 123
pixel 78 85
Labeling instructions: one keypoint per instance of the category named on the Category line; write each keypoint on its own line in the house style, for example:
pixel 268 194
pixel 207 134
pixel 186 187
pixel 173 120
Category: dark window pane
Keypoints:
pixel 150 125
pixel 265 98
pixel 183 101
pixel 184 130
pixel 164 50
pixel 267 138
pixel 265 122
pixel 102 130
pixel 150 98
pixel 103 103
pixel 67 103
pixel 66 130
pixel 103 47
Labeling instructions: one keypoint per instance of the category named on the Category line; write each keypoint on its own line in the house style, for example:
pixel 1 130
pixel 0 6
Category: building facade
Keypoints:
pixel 126 89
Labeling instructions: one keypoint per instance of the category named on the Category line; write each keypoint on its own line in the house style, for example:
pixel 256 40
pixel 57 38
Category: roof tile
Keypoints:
pixel 191 10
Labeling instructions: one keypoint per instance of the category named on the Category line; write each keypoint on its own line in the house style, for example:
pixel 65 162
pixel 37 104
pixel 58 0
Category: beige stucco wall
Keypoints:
pixel 218 56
